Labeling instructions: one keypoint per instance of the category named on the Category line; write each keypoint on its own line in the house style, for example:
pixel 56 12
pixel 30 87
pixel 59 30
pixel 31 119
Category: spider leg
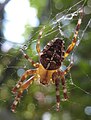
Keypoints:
pixel 63 73
pixel 29 59
pixel 56 80
pixel 71 46
pixel 24 86
pixel 38 42
pixel 64 87
pixel 24 76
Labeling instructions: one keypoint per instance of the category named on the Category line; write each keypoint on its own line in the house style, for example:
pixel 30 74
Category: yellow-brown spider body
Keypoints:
pixel 48 68
pixel 51 58
pixel 44 75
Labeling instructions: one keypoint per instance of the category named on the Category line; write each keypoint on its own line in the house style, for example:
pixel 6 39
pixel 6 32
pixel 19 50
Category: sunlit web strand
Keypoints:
pixel 69 9
pixel 62 18
pixel 82 35
pixel 56 23
pixel 72 83
pixel 51 31
pixel 65 17
pixel 85 29
pixel 66 11
pixel 87 76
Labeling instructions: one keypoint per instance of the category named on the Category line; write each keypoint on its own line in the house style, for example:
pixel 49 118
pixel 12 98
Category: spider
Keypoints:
pixel 48 69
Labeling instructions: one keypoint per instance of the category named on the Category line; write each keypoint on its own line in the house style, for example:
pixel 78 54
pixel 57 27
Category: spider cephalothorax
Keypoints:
pixel 51 58
pixel 52 54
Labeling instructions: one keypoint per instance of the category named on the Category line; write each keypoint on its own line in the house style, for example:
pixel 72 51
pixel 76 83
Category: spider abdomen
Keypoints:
pixel 53 54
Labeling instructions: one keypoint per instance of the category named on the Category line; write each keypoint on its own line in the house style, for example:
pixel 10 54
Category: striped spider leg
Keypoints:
pixel 22 84
pixel 20 91
pixel 38 41
pixel 36 65
pixel 60 75
pixel 72 45
pixel 22 79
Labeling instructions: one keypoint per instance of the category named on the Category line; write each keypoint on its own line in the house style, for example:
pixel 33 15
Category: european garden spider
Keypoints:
pixel 51 58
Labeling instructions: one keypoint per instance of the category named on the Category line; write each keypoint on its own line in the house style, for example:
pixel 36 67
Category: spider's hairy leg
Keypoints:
pixel 64 87
pixel 16 101
pixel 24 76
pixel 63 73
pixel 29 59
pixel 38 42
pixel 57 76
pixel 56 80
pixel 71 46
pixel 24 86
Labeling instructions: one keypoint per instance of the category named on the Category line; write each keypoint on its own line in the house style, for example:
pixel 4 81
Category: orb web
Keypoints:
pixel 61 25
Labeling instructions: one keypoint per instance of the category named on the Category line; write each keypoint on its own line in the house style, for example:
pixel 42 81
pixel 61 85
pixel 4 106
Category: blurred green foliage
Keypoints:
pixel 39 101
